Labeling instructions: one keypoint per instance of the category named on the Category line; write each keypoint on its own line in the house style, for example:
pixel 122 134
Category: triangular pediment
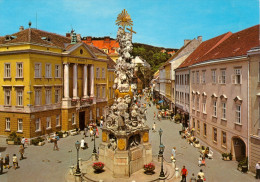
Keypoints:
pixel 79 50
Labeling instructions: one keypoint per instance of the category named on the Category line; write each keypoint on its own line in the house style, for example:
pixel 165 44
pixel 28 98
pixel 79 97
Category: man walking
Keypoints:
pixel 21 151
pixel 7 161
pixel 23 141
pixel 184 173
pixel 257 170
pixel 55 141
pixel 1 165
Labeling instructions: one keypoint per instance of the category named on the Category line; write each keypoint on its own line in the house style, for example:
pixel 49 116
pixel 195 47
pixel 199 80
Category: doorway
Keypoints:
pixel 239 151
pixel 82 120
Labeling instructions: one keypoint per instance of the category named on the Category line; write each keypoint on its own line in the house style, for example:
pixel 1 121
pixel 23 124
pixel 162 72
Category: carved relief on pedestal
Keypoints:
pixel 121 144
pixel 146 137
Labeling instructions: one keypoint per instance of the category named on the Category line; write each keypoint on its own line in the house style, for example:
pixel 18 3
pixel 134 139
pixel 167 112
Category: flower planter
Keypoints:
pixel 244 169
pixel 98 167
pixel 10 142
pixel 149 172
pixel 197 145
pixel 64 135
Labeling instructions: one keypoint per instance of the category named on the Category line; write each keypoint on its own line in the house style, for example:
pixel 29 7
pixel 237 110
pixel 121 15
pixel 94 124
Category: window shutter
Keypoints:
pixel 233 79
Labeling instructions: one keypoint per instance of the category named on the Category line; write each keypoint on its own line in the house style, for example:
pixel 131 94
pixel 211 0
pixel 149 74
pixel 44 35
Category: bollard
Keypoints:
pixel 177 173
pixel 71 170
pixel 80 161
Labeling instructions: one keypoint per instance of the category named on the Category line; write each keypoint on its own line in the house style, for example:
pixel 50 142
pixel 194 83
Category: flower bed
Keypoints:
pixel 149 167
pixel 98 166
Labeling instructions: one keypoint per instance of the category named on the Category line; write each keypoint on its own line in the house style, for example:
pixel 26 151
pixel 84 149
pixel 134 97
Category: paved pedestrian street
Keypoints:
pixel 42 164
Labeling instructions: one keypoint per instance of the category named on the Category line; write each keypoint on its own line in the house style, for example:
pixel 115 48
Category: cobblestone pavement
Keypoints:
pixel 45 165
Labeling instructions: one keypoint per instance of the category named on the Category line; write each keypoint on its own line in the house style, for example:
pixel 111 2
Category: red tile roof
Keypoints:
pixel 236 45
pixel 35 36
pixel 203 49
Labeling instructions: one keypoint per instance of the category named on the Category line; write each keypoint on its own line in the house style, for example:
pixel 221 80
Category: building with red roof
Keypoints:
pixel 220 98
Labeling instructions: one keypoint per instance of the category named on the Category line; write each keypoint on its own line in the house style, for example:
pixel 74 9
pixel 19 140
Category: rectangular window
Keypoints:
pixel 198 76
pixel 7 124
pixel 19 97
pixel 19 70
pixel 193 101
pixel 215 135
pixel 198 126
pixel 224 110
pixel 38 124
pixel 57 71
pixel 103 73
pixel 90 115
pixel 47 70
pixel 188 79
pixel 97 112
pixel 203 77
pixel 198 103
pixel 237 77
pixel 48 96
pixel 215 108
pixel 193 122
pixel 222 78
pixel 57 120
pixel 37 70
pixel 213 74
pixel 204 105
pixel 48 122
pixel 73 119
pixel 20 125
pixel 193 77
pixel 7 96
pixel 103 93
pixel 7 70
pixel 205 129
pixel 98 94
pixel 109 93
pixel 224 138
pixel 97 72
pixel 238 114
pixel 57 95
pixel 38 97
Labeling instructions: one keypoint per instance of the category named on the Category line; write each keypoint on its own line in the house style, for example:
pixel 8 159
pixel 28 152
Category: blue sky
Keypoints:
pixel 164 23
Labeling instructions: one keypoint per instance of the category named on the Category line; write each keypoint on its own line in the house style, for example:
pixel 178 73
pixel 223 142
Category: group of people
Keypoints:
pixel 5 162
pixel 200 176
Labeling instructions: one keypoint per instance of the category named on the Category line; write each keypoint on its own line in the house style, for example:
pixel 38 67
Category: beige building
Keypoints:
pixel 219 83
pixel 254 107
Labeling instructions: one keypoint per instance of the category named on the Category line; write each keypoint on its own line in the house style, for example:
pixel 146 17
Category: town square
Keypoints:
pixel 124 91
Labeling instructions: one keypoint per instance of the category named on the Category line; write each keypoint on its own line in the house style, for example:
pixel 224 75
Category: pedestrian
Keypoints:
pixel 86 131
pixel 55 141
pixel 101 122
pixel 257 170
pixel 1 165
pixel 201 174
pixel 23 141
pixel 192 131
pixel 15 162
pixel 82 143
pixel 174 152
pixel 200 160
pixel 193 178
pixel 21 151
pixel 154 115
pixel 7 161
pixel 199 179
pixel 184 173
pixel 154 125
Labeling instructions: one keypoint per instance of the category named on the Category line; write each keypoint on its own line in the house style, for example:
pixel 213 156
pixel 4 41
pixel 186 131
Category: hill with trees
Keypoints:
pixel 152 54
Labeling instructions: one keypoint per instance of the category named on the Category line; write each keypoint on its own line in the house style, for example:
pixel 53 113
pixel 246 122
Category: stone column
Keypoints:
pixel 66 99
pixel 75 79
pixel 85 81
pixel 92 81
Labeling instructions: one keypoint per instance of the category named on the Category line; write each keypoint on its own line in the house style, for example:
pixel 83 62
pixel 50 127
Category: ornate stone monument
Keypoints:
pixel 125 146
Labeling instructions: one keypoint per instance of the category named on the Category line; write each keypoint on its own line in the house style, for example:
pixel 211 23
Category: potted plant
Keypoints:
pixel 149 168
pixel 224 156
pixel 230 156
pixel 98 166
pixel 65 134
pixel 197 144
pixel 243 165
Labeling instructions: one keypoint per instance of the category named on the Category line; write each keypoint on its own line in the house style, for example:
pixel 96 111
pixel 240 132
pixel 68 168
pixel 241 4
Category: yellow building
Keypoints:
pixel 50 83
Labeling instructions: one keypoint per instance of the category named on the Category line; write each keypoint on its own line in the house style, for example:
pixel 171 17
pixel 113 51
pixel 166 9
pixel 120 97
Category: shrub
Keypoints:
pixel 35 141
pixel 14 137
pixel 98 165
pixel 59 133
pixel 243 162
pixel 177 117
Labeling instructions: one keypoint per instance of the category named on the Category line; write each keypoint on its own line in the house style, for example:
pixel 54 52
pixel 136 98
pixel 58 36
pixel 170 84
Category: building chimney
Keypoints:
pixel 78 37
pixel 21 28
pixel 89 39
pixel 199 39
pixel 186 41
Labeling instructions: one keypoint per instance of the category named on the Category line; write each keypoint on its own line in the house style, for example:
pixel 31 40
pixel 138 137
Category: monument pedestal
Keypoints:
pixel 128 155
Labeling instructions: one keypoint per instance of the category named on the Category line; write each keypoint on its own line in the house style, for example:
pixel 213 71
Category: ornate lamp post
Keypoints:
pixel 94 150
pixel 160 134
pixel 162 176
pixel 77 145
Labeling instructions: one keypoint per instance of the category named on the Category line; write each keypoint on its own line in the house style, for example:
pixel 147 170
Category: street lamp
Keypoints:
pixel 160 134
pixel 77 145
pixel 162 176
pixel 94 150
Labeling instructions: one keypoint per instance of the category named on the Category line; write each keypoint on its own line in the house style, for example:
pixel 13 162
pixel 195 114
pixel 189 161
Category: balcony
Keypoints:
pixel 82 102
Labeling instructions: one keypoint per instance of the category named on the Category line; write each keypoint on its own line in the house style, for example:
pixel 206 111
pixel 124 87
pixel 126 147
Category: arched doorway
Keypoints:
pixel 239 149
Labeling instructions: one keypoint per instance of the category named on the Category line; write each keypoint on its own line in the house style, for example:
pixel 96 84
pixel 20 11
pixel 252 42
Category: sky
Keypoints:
pixel 163 23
